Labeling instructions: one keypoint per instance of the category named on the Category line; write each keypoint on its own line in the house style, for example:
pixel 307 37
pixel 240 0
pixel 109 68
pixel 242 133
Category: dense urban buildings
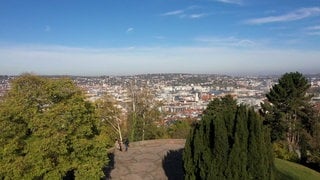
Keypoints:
pixel 182 95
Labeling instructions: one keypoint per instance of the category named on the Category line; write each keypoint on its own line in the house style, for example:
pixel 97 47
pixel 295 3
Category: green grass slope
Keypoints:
pixel 286 170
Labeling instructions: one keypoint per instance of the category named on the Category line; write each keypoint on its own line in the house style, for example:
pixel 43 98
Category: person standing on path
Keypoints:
pixel 126 144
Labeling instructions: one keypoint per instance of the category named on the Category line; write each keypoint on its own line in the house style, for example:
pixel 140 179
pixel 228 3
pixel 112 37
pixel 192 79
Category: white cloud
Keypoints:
pixel 230 1
pixel 194 7
pixel 291 16
pixel 313 30
pixel 226 42
pixel 314 33
pixel 129 30
pixel 196 16
pixel 191 12
pixel 172 13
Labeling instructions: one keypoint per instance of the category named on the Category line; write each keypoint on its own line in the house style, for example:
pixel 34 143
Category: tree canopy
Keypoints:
pixel 230 142
pixel 49 131
pixel 291 117
pixel 110 115
pixel 288 105
pixel 144 115
pixel 180 129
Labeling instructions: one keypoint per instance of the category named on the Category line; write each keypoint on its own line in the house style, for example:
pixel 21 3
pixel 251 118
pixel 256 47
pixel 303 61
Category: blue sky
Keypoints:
pixel 108 37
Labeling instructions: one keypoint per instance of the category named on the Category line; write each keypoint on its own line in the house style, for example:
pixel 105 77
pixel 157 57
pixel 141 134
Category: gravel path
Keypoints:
pixel 148 160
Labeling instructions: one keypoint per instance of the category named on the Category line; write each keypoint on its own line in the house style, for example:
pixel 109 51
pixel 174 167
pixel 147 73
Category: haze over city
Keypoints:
pixel 160 36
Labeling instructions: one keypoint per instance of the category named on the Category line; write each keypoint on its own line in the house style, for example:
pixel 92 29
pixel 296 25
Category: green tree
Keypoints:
pixel 144 115
pixel 238 160
pixel 259 148
pixel 49 131
pixel 314 156
pixel 179 129
pixel 228 143
pixel 288 111
pixel 110 114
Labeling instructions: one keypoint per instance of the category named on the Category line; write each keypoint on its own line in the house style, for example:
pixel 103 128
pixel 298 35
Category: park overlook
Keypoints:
pixel 161 90
pixel 53 129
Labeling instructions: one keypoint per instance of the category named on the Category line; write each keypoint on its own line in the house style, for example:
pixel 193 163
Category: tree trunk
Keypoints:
pixel 143 127
pixel 119 131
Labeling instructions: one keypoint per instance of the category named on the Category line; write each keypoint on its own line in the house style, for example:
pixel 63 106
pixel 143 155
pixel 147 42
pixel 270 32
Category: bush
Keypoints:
pixel 281 151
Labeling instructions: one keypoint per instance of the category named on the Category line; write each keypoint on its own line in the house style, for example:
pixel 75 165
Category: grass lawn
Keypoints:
pixel 288 170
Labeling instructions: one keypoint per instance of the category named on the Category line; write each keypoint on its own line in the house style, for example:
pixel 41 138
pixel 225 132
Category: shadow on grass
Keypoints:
pixel 107 170
pixel 173 165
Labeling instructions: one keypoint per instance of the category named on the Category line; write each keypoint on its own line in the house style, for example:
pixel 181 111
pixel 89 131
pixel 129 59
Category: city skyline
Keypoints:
pixel 135 37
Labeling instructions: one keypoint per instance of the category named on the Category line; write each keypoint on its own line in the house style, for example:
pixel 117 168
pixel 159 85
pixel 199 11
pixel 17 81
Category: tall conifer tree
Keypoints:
pixel 288 111
pixel 229 143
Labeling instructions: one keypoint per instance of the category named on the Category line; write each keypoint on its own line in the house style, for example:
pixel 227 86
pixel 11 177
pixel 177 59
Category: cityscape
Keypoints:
pixel 182 95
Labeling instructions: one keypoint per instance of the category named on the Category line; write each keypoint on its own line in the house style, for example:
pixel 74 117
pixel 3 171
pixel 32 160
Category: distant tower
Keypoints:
pixel 197 97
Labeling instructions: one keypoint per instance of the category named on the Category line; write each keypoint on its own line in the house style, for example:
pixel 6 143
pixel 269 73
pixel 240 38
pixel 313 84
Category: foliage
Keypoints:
pixel 230 142
pixel 292 118
pixel 179 129
pixel 288 108
pixel 281 151
pixel 110 115
pixel 49 130
pixel 286 170
pixel 275 121
pixel 144 115
pixel 313 155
